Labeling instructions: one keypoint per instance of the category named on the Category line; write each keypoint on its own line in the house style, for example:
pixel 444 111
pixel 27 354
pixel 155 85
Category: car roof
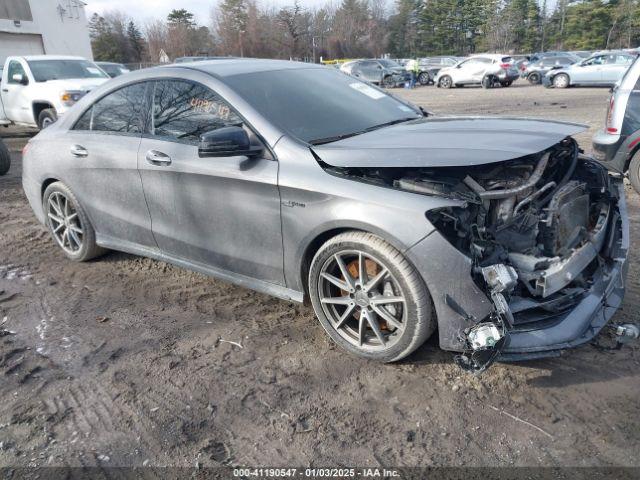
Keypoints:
pixel 241 66
pixel 49 57
pixel 107 63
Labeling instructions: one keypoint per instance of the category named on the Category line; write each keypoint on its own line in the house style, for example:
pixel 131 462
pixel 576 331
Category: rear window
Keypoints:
pixel 507 59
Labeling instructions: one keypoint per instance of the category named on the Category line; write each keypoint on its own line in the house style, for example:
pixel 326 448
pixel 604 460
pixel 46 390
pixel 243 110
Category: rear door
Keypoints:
pixel 222 212
pixel 103 147
pixel 589 71
pixel 614 68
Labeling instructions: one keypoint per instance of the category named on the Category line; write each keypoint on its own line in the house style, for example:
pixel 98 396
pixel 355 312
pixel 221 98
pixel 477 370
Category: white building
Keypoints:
pixel 34 27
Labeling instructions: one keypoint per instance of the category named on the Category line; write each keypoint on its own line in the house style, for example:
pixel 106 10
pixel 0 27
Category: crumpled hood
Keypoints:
pixel 447 142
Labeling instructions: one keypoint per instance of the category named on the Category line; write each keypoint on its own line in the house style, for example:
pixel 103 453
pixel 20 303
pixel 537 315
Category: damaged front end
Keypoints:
pixel 544 239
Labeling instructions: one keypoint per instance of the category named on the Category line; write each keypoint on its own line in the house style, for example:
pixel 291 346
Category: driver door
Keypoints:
pixel 222 212
pixel 590 71
pixel 17 104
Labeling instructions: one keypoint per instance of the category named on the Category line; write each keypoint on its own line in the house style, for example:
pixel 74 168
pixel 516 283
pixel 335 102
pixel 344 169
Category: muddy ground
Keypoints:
pixel 126 361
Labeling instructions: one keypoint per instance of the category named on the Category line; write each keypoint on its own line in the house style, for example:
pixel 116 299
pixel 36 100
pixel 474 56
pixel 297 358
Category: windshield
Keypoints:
pixel 319 105
pixel 44 70
pixel 389 64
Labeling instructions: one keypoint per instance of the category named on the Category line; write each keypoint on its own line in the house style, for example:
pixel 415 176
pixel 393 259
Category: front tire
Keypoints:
pixel 370 300
pixel 445 82
pixel 69 224
pixel 388 82
pixel 46 118
pixel 534 78
pixel 5 159
pixel 561 80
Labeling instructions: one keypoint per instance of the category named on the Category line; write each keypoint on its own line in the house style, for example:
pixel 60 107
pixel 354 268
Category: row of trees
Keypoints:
pixel 371 28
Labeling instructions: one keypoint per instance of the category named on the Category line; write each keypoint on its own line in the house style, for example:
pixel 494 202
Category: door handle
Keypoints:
pixel 5 89
pixel 79 151
pixel 157 158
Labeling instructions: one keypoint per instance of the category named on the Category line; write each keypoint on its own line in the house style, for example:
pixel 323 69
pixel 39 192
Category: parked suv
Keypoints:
pixel 601 69
pixel 617 145
pixel 485 70
pixel 534 71
pixel 386 73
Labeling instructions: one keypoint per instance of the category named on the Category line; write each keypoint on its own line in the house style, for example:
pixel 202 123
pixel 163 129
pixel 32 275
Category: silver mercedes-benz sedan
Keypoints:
pixel 304 183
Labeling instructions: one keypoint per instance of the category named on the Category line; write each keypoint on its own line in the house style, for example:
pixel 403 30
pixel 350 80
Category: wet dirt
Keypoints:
pixel 126 361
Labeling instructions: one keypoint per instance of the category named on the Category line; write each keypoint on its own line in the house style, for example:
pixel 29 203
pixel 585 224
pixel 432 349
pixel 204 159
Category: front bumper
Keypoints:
pixel 460 303
pixel 585 320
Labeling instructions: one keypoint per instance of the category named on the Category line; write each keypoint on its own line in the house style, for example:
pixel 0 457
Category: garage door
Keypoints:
pixel 19 44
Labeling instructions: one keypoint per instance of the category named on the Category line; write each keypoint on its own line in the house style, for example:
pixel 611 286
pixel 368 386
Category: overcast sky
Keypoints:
pixel 142 10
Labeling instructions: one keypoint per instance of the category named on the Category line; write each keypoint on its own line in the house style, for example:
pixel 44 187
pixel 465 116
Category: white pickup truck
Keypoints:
pixel 36 90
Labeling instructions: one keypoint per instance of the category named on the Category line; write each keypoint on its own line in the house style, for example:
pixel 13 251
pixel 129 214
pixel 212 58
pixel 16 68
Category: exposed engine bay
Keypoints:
pixel 533 227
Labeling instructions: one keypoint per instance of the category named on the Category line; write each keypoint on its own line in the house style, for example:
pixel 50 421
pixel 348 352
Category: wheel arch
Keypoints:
pixel 45 184
pixel 38 106
pixel 320 237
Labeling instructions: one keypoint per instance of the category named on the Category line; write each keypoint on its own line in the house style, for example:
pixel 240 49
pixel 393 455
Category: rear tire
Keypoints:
pixel 46 118
pixel 5 159
pixel 634 171
pixel 506 84
pixel 65 214
pixel 343 309
pixel 488 81
pixel 424 79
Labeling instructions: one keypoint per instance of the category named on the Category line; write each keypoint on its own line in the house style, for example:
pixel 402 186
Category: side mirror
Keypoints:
pixel 227 142
pixel 20 78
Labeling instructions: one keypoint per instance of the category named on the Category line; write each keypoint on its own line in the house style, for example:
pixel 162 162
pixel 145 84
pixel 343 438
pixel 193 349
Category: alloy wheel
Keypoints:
pixel 561 81
pixel 65 223
pixel 362 300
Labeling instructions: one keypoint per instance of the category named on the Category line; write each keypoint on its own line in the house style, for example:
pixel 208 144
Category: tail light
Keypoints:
pixel 505 66
pixel 609 122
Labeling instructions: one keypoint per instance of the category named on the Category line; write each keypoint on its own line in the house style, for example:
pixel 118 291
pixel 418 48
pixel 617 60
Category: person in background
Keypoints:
pixel 412 67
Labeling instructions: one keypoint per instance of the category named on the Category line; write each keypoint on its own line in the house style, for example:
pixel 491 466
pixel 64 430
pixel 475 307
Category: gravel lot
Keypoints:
pixel 125 361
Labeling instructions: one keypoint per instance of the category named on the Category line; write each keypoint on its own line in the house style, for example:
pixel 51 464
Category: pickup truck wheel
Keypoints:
pixel 5 159
pixel 370 300
pixel 69 224
pixel 634 171
pixel 46 118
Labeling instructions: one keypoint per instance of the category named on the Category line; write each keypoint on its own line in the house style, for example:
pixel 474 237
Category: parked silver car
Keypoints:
pixel 601 69
pixel 391 222
pixel 486 70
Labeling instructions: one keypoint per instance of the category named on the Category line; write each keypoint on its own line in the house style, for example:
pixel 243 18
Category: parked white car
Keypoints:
pixel 601 69
pixel 36 90
pixel 487 70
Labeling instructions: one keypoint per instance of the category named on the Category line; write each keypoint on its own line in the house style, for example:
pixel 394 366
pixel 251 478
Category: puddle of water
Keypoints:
pixel 14 272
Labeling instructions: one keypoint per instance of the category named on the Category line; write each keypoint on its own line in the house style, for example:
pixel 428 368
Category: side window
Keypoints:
pixel 599 60
pixel 121 111
pixel 184 110
pixel 15 68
